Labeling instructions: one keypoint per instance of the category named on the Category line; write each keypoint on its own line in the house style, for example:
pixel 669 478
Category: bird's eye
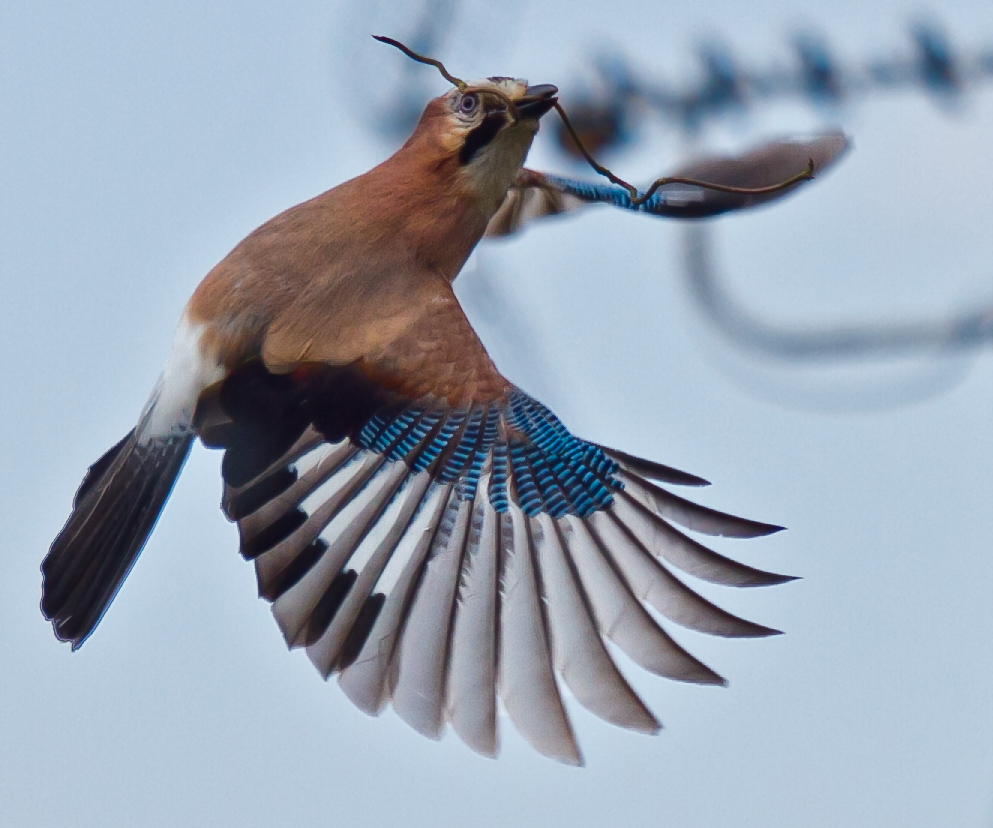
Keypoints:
pixel 469 104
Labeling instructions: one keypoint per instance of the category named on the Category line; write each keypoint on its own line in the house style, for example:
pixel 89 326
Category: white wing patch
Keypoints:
pixel 188 372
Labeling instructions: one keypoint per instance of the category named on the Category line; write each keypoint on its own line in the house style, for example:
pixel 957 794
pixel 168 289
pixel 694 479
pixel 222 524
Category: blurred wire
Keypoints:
pixel 610 115
pixel 610 119
pixel 961 331
pixel 934 355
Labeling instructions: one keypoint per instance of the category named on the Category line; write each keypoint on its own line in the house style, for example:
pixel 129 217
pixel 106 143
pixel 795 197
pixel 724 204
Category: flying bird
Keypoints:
pixel 425 529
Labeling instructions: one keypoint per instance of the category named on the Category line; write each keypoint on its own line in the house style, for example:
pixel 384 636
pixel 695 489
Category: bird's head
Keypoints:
pixel 483 130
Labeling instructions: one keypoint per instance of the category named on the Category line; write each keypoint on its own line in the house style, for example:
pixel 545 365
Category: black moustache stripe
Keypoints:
pixel 482 135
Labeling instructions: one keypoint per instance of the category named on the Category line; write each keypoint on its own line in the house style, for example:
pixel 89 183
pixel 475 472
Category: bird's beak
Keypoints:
pixel 537 101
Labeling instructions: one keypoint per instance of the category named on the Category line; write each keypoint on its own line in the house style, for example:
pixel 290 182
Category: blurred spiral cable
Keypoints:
pixel 965 330
pixel 610 114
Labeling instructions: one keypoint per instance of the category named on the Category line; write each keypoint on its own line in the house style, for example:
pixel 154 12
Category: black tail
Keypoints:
pixel 113 513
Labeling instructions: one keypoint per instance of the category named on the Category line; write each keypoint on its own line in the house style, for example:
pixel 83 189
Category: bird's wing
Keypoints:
pixel 437 538
pixel 535 194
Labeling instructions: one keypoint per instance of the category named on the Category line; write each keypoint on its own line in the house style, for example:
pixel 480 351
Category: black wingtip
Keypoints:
pixel 771 579
pixel 651 470
pixel 757 529
pixel 749 529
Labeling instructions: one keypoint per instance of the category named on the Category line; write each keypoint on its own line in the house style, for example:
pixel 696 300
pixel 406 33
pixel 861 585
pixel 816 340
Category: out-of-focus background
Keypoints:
pixel 140 142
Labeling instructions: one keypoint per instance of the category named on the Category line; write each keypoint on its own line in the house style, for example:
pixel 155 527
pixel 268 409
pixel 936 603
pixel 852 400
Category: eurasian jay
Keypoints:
pixel 424 528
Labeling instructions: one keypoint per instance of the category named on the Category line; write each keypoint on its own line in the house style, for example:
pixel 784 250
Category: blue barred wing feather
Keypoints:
pixel 444 558
pixel 535 195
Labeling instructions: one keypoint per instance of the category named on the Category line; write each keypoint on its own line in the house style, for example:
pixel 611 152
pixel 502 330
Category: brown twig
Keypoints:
pixel 637 198
pixel 437 64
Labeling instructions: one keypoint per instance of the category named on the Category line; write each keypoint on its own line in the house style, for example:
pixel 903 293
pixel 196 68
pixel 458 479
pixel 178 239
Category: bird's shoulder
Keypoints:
pixel 417 342
pixel 333 279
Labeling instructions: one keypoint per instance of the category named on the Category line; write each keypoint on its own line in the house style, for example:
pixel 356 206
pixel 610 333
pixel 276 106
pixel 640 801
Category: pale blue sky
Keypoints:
pixel 140 142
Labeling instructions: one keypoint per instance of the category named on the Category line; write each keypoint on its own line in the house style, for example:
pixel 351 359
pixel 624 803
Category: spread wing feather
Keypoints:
pixel 471 693
pixel 535 195
pixel 440 559
pixel 526 679
pixel 580 655
pixel 447 551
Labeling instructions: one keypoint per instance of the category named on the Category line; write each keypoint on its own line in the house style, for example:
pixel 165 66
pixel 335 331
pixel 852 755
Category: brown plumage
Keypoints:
pixel 359 271
pixel 421 526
